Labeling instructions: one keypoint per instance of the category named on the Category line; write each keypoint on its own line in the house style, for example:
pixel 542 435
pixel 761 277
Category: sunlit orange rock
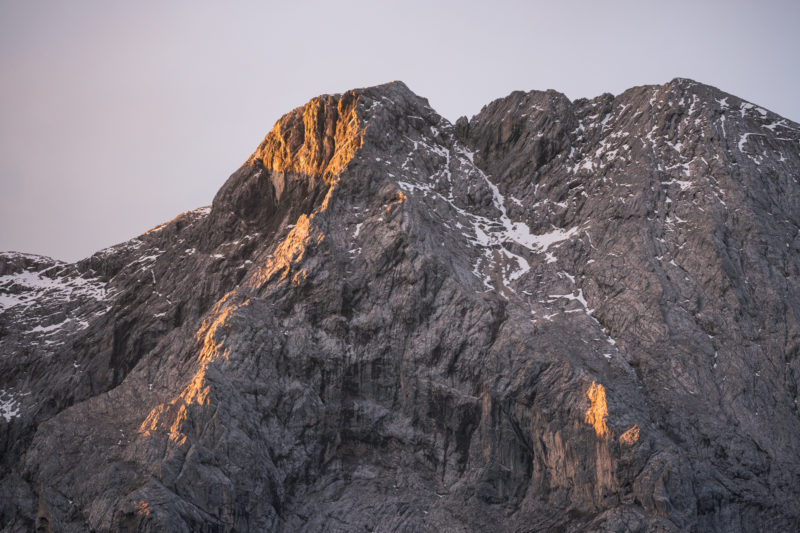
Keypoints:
pixel 318 139
pixel 598 411
pixel 170 417
pixel 630 437
pixel 290 252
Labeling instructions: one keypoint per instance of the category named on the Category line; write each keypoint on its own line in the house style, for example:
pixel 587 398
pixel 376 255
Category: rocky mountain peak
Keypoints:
pixel 554 315
pixel 293 170
pixel 316 140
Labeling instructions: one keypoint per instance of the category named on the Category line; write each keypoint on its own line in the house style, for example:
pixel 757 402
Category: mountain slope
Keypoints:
pixel 556 315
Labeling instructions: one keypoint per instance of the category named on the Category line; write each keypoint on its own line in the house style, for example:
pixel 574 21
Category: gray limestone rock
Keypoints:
pixel 554 316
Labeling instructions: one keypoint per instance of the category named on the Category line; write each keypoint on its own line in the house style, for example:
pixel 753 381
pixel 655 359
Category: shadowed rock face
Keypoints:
pixel 557 315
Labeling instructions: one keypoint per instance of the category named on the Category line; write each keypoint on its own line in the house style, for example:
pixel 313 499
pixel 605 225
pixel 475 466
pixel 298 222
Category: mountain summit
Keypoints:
pixel 553 316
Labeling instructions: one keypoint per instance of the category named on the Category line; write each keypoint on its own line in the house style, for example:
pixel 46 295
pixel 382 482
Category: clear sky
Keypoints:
pixel 116 116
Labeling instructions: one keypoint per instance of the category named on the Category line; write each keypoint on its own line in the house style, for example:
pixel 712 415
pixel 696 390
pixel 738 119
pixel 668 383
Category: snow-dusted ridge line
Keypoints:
pixel 198 212
pixel 35 286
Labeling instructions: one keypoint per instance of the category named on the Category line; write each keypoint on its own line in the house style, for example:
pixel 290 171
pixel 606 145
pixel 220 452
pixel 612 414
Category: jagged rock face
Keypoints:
pixel 554 316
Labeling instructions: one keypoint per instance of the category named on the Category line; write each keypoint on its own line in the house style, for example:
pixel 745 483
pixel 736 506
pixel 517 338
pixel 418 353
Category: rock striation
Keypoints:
pixel 553 316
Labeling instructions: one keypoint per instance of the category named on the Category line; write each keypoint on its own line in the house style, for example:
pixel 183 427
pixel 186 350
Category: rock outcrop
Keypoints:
pixel 554 316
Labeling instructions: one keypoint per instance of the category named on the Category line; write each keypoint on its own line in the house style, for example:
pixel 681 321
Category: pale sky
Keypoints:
pixel 116 116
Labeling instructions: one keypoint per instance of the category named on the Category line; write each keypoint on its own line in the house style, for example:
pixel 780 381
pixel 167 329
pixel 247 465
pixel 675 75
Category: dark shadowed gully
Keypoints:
pixel 555 316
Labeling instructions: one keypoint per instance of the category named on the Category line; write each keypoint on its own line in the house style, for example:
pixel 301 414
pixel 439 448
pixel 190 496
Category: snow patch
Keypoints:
pixel 9 405
pixel 492 235
pixel 573 296
pixel 682 184
pixel 35 286
pixel 742 141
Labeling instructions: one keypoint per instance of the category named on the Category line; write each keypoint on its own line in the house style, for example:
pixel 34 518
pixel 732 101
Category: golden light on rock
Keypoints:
pixel 143 508
pixel 289 253
pixel 598 410
pixel 398 200
pixel 171 416
pixel 318 139
pixel 630 437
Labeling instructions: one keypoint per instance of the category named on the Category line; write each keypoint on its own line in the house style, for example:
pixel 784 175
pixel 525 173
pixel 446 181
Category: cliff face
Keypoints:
pixel 554 316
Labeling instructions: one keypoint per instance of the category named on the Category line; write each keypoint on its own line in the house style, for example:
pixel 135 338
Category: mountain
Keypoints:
pixel 554 316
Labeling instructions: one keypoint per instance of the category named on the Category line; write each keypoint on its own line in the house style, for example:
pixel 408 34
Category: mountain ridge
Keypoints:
pixel 545 317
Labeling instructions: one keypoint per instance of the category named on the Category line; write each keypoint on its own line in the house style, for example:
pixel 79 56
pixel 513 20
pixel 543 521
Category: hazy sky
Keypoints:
pixel 116 116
